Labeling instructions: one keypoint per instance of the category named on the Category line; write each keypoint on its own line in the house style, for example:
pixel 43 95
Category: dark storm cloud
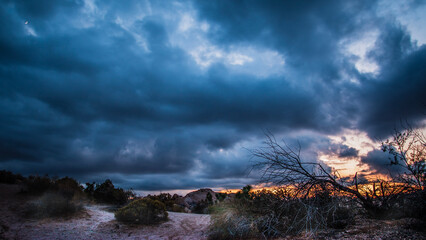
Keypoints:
pixel 308 35
pixel 380 163
pixel 399 94
pixel 342 151
pixel 86 93
pixel 348 152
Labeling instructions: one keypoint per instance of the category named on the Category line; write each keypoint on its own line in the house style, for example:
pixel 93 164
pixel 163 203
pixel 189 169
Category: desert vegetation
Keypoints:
pixel 10 178
pixel 142 211
pixel 47 197
pixel 108 193
pixel 50 197
pixel 278 212
pixel 62 197
pixel 313 198
pixel 171 202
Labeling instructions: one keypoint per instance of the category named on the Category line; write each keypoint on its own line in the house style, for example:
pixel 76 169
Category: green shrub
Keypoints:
pixel 142 211
pixel 169 200
pixel 52 204
pixel 177 208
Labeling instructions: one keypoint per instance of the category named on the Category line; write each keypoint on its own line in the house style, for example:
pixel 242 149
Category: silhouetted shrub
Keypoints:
pixel 68 187
pixel 107 193
pixel 142 211
pixel 167 199
pixel 245 193
pixel 221 196
pixel 38 185
pixel 10 178
pixel 52 204
pixel 89 190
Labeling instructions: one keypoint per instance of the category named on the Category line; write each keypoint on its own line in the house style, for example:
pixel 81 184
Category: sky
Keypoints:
pixel 160 95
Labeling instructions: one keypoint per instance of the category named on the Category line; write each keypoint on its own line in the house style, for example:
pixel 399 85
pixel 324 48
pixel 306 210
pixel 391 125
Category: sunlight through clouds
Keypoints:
pixel 347 166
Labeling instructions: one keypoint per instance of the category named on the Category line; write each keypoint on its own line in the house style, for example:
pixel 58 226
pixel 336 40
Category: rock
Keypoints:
pixel 194 199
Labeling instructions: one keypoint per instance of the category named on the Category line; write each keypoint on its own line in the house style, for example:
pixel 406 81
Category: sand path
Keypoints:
pixel 95 223
pixel 98 223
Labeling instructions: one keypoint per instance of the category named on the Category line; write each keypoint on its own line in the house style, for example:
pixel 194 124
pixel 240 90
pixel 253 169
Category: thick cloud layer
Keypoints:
pixel 162 96
pixel 380 163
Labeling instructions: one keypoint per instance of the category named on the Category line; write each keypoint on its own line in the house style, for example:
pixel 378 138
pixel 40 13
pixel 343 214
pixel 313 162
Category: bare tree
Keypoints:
pixel 282 165
pixel 407 148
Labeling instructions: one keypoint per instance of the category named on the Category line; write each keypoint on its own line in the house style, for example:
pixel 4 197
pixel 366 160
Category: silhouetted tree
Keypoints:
pixel 245 192
pixel 107 193
pixel 282 165
pixel 407 148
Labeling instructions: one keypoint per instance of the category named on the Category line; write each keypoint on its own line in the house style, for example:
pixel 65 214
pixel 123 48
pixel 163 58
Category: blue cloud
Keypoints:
pixel 114 89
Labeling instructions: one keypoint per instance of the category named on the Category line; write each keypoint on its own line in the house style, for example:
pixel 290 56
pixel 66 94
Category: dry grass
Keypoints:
pixel 276 214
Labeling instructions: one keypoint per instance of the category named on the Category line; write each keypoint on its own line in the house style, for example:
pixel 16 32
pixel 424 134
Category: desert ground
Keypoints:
pixel 96 222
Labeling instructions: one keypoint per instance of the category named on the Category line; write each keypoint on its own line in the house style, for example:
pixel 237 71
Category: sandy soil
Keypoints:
pixel 95 223
pixel 100 224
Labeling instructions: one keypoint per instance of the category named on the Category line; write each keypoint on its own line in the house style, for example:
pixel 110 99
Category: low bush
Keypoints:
pixel 142 211
pixel 69 188
pixel 170 201
pixel 37 185
pixel 52 204
pixel 177 208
